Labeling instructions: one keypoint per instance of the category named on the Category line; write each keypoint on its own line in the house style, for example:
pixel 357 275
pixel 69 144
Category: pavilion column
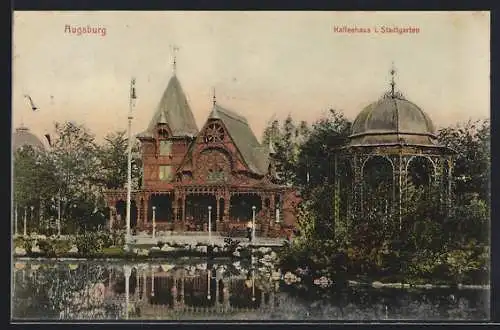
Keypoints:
pixel 399 179
pixel 357 188
pixel 336 196
pixel 449 185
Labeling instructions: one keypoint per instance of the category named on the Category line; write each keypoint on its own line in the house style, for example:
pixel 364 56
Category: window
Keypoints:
pixel 214 134
pixel 165 173
pixel 216 176
pixel 165 148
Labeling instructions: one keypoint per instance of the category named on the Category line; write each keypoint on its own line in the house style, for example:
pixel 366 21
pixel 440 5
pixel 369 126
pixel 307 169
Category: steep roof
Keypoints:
pixel 254 154
pixel 174 110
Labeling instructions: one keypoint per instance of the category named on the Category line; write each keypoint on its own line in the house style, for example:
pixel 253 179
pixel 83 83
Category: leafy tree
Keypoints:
pixel 316 154
pixel 113 159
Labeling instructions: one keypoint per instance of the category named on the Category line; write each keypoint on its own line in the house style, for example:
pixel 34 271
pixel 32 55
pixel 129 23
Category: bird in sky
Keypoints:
pixel 32 104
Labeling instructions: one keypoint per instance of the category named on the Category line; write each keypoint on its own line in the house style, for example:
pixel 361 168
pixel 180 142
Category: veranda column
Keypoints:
pixel 218 222
pixel 184 211
pixel 145 210
pixel 112 210
pixel 227 204
pixel 138 225
pixel 175 203
pixel 272 206
pixel 264 222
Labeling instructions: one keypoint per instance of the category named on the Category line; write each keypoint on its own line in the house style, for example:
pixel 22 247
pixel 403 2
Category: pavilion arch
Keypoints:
pixel 378 185
pixel 421 170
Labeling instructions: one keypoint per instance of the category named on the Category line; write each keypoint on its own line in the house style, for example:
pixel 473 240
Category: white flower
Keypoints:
pixel 73 249
pixel 20 251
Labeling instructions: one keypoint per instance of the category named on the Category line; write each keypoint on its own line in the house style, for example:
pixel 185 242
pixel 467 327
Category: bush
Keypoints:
pixel 160 244
pixel 47 247
pixel 89 243
pixel 19 242
pixel 118 238
pixel 231 245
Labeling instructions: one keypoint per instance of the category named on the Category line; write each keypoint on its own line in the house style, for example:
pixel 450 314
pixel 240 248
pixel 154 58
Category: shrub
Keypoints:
pixel 89 243
pixel 160 244
pixel 47 247
pixel 19 242
pixel 231 245
pixel 118 238
pixel 28 244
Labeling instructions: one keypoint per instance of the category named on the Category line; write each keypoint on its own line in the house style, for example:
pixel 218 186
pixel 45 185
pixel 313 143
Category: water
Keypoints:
pixel 194 290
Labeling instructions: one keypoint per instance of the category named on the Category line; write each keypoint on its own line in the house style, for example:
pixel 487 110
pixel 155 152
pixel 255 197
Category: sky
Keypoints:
pixel 264 65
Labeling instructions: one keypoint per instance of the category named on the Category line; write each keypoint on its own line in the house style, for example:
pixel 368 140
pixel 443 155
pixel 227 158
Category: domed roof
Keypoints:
pixel 392 120
pixel 22 136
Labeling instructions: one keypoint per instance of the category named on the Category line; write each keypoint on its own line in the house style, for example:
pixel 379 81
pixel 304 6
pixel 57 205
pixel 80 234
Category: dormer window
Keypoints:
pixel 214 133
pixel 162 133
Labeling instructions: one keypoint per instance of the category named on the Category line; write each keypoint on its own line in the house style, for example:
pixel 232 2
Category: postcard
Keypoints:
pixel 250 165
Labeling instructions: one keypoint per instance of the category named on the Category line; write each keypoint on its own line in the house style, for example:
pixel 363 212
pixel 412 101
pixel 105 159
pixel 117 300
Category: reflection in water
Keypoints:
pixel 95 290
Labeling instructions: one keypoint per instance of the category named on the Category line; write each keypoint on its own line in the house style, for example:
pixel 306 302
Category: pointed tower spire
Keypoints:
pixel 214 99
pixel 175 49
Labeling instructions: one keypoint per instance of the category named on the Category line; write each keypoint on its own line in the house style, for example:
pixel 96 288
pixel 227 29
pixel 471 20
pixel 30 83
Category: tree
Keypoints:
pixel 75 162
pixel 316 154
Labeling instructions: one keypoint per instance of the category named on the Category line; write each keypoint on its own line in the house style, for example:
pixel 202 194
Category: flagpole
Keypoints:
pixel 129 157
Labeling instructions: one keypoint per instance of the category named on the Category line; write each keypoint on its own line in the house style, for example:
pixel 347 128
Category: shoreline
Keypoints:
pixel 182 260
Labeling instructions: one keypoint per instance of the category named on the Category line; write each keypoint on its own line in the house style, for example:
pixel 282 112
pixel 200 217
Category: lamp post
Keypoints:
pixel 24 229
pixel 210 224
pixel 154 222
pixel 253 223
pixel 129 156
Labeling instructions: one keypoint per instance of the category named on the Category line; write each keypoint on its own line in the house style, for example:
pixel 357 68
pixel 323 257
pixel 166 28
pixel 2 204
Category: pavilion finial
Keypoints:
pixel 393 84
pixel 214 99
pixel 175 49
pixel 393 93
